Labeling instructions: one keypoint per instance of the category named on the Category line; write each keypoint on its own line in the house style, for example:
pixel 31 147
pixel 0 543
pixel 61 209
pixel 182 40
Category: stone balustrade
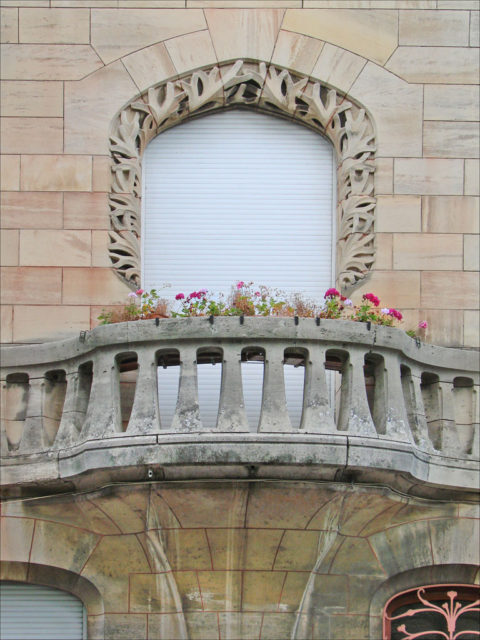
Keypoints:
pixel 85 411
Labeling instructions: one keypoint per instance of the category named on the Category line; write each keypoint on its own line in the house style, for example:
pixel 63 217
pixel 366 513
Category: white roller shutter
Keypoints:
pixel 34 612
pixel 238 195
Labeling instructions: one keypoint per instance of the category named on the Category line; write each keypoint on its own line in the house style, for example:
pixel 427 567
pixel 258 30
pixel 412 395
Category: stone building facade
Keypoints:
pixel 227 533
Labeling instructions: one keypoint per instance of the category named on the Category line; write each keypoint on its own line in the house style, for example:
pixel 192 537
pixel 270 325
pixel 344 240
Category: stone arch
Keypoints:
pixel 58 578
pixel 267 88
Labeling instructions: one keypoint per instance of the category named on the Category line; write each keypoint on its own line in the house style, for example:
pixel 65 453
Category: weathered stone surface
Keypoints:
pixel 6 323
pixel 31 99
pixel 388 547
pixel 451 102
pixel 125 626
pixel 116 33
pixel 397 288
pixel 8 25
pixel 56 173
pixel 221 590
pixel 429 176
pixel 435 65
pixel 295 51
pixel 298 551
pixel 372 34
pixel 54 26
pixel 149 66
pixel 16 538
pixel 244 33
pixel 31 285
pixel 454 214
pixel 450 290
pixel 239 549
pixel 399 214
pixel 338 67
pixel 49 322
pixel 472 177
pixel 384 176
pixel 66 248
pixel 471 328
pixel 10 172
pixel 23 210
pixel 90 106
pixel 191 50
pixel 86 211
pixel 424 28
pixel 92 286
pixel 427 251
pixel 451 139
pixel 9 248
pixel 455 541
pixel 32 135
pixel 48 61
pixel 58 545
pixel 397 110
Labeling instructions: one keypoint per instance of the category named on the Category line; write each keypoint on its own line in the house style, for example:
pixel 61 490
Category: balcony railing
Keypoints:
pixel 86 410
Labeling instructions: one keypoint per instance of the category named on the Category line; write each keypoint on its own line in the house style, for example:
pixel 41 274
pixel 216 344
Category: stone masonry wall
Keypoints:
pixel 68 66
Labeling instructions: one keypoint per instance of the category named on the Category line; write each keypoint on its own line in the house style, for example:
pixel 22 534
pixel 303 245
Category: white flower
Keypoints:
pixel 132 295
pixel 386 311
pixel 348 303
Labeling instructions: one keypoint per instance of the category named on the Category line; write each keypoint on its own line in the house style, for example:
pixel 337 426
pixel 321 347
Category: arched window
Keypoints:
pixel 238 195
pixel 35 612
pixel 435 612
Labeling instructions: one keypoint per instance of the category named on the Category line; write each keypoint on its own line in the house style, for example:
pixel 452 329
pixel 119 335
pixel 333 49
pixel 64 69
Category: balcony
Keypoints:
pixel 83 412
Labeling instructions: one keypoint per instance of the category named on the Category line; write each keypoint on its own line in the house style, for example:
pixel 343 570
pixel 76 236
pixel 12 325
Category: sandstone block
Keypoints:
pixel 240 549
pixel 191 50
pixel 244 33
pixel 395 288
pixel 86 211
pixel 429 176
pixel 241 626
pixel 31 285
pixel 295 51
pixel 445 327
pixel 31 99
pixel 398 214
pixel 48 61
pixel 222 589
pixel 457 4
pixel 355 627
pixel 16 538
pixel 450 214
pixel 55 248
pixel 451 102
pixel 384 250
pixel 116 33
pixel 10 172
pixel 6 323
pixel 388 546
pixel 450 290
pixel 451 139
pixel 92 286
pixel 261 590
pixel 25 3
pixel 151 4
pixel 471 328
pixel 152 593
pixel 56 173
pixel 125 626
pixel 371 34
pixel 370 4
pixel 187 549
pixel 455 540
pixel 54 26
pixel 25 210
pixel 294 588
pixel 149 66
pixel 474 29
pixel 356 556
pixel 8 25
pixel 433 65
pixel 90 106
pixel 441 28
pixel 384 175
pixel 471 252
pixel 337 67
pixel 241 4
pixel 298 551
pixel 472 177
pixel 200 625
pixel 396 108
pixel 428 251
pixel 102 4
pixel 9 248
pixel 283 508
pixel 32 135
pixel 58 545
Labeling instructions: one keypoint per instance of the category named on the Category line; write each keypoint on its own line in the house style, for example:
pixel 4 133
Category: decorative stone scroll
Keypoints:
pixel 267 88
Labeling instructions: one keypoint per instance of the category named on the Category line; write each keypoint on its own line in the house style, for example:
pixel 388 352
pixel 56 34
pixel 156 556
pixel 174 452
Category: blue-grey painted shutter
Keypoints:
pixel 35 612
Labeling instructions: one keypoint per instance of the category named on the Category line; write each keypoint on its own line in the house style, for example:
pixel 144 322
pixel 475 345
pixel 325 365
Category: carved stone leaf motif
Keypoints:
pixel 271 89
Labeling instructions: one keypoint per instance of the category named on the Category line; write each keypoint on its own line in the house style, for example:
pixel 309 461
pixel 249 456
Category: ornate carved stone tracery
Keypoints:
pixel 269 89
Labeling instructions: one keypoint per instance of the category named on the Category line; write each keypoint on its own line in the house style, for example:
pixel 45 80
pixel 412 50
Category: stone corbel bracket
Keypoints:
pixel 267 88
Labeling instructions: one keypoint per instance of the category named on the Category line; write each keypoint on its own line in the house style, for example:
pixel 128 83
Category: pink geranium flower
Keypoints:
pixel 395 313
pixel 240 284
pixel 331 293
pixel 423 324
pixel 371 297
pixel 139 292
pixel 179 296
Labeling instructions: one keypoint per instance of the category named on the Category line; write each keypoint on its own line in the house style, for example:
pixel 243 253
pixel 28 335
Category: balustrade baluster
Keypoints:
pixel 34 438
pixel 69 429
pixel 145 416
pixel 317 414
pixel 274 414
pixel 231 411
pixel 417 418
pixel 187 413
pixel 354 415
pixel 396 418
pixel 103 418
pixel 450 442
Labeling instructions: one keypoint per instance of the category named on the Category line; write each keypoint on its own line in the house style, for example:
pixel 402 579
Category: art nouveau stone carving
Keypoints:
pixel 267 88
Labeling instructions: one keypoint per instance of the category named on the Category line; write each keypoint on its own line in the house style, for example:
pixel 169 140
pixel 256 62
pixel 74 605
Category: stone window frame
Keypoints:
pixel 267 88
